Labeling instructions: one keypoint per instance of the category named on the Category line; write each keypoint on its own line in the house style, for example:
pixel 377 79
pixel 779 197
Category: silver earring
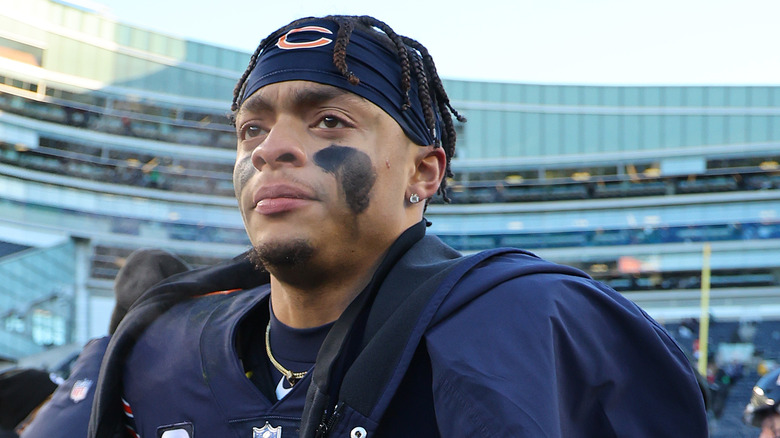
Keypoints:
pixel 414 198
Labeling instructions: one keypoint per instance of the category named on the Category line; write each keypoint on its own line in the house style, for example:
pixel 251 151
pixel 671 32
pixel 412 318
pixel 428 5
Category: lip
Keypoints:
pixel 280 198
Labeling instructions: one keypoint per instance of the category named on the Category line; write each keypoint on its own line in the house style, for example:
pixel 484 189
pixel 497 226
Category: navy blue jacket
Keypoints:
pixel 66 415
pixel 500 344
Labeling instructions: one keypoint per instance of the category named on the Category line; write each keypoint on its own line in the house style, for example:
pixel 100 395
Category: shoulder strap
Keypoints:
pixel 395 323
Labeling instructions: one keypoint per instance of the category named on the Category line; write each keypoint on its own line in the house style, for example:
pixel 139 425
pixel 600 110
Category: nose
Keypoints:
pixel 283 146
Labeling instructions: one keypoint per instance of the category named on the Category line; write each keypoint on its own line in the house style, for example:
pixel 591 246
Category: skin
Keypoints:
pixel 770 426
pixel 333 174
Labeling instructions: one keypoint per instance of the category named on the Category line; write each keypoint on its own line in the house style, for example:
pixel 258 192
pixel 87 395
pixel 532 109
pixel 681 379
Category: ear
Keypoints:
pixel 431 164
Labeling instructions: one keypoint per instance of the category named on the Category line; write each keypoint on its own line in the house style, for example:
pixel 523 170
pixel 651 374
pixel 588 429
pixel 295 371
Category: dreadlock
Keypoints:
pixel 445 109
pixel 414 58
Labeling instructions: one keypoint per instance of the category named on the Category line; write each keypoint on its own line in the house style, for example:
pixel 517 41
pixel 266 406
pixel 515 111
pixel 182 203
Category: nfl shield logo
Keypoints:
pixel 80 390
pixel 267 431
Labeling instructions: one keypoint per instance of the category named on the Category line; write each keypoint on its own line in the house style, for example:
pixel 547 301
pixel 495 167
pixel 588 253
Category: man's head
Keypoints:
pixel 142 269
pixel 762 410
pixel 21 391
pixel 342 125
pixel 770 426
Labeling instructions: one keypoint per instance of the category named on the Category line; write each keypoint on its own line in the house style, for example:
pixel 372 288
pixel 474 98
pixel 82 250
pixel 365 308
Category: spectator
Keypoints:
pixel 762 410
pixel 66 415
pixel 22 390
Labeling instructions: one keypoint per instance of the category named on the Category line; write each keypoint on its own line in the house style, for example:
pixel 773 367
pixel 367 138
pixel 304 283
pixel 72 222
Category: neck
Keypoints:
pixel 317 292
pixel 308 299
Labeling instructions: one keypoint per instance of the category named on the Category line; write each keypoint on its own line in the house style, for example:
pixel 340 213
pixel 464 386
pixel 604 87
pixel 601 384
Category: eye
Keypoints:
pixel 249 131
pixel 331 122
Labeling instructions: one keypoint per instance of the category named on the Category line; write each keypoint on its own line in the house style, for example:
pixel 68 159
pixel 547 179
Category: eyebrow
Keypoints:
pixel 302 98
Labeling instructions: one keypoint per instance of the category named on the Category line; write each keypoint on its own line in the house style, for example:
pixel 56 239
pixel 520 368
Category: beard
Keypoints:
pixel 281 255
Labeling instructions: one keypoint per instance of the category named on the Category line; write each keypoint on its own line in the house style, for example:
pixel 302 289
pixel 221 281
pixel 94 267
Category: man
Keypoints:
pixel 22 390
pixel 345 319
pixel 762 410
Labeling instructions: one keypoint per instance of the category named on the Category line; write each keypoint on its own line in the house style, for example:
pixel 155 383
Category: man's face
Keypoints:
pixel 321 173
pixel 770 426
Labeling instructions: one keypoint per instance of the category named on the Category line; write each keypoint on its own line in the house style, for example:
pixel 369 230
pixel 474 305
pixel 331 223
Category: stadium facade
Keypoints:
pixel 114 138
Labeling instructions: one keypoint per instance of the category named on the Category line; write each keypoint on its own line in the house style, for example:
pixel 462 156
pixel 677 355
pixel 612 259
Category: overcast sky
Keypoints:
pixel 536 41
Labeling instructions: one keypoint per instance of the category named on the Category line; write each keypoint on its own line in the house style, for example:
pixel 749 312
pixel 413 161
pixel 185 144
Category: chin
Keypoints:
pixel 282 255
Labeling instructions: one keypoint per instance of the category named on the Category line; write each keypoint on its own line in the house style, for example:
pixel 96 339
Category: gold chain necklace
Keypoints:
pixel 291 376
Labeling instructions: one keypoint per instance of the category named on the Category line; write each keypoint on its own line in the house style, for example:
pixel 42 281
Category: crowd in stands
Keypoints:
pixel 739 352
pixel 214 178
pixel 768 229
pixel 102 163
pixel 112 117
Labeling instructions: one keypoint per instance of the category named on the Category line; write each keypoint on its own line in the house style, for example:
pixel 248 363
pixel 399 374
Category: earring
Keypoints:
pixel 414 198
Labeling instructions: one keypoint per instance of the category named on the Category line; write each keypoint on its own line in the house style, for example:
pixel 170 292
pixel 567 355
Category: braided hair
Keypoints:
pixel 414 59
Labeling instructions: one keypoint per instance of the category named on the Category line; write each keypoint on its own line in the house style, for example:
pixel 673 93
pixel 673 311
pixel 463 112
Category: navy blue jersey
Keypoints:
pixel 66 415
pixel 186 372
pixel 506 344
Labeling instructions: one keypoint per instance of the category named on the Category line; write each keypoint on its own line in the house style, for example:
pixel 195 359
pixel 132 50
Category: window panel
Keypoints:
pixel 552 134
pixel 651 132
pixel 651 96
pixel 611 133
pixel 611 96
pixel 715 132
pixel 514 134
pixel 759 96
pixel 672 131
pixel 737 96
pixel 533 134
pixel 716 96
pixel 736 129
pixel 533 94
pixel 571 95
pixel 492 91
pixel 591 133
pixel 631 133
pixel 571 130
pixel 694 96
pixel 631 96
pixel 693 128
pixel 673 96
pixel 492 139
pixel 758 128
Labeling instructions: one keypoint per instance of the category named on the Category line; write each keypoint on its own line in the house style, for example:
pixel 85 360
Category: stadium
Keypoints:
pixel 114 138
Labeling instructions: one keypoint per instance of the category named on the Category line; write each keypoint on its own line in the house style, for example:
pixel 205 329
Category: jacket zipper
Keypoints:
pixel 328 421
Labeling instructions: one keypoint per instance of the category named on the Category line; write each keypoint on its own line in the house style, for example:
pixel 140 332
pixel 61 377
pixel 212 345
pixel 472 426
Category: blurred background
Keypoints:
pixel 639 144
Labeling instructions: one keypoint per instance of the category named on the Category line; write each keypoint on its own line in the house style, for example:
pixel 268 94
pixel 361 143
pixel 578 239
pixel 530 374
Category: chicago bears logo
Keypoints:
pixel 283 42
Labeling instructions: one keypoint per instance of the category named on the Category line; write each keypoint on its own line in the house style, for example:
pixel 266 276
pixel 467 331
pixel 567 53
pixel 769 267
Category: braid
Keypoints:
pixel 423 90
pixel 340 48
pixel 446 110
pixel 241 82
pixel 403 55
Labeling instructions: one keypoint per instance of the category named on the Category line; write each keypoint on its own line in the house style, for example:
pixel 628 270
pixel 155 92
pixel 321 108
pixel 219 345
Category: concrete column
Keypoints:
pixel 81 296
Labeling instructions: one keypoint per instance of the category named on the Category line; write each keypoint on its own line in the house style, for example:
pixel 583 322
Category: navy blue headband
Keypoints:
pixel 306 53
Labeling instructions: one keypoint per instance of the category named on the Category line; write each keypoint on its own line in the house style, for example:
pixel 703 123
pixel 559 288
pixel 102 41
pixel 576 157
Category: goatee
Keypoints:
pixel 281 255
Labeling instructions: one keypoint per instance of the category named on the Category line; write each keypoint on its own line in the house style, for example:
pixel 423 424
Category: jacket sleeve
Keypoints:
pixel 556 355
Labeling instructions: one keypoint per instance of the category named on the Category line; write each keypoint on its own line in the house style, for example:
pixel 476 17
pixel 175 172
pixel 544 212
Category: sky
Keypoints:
pixel 604 42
